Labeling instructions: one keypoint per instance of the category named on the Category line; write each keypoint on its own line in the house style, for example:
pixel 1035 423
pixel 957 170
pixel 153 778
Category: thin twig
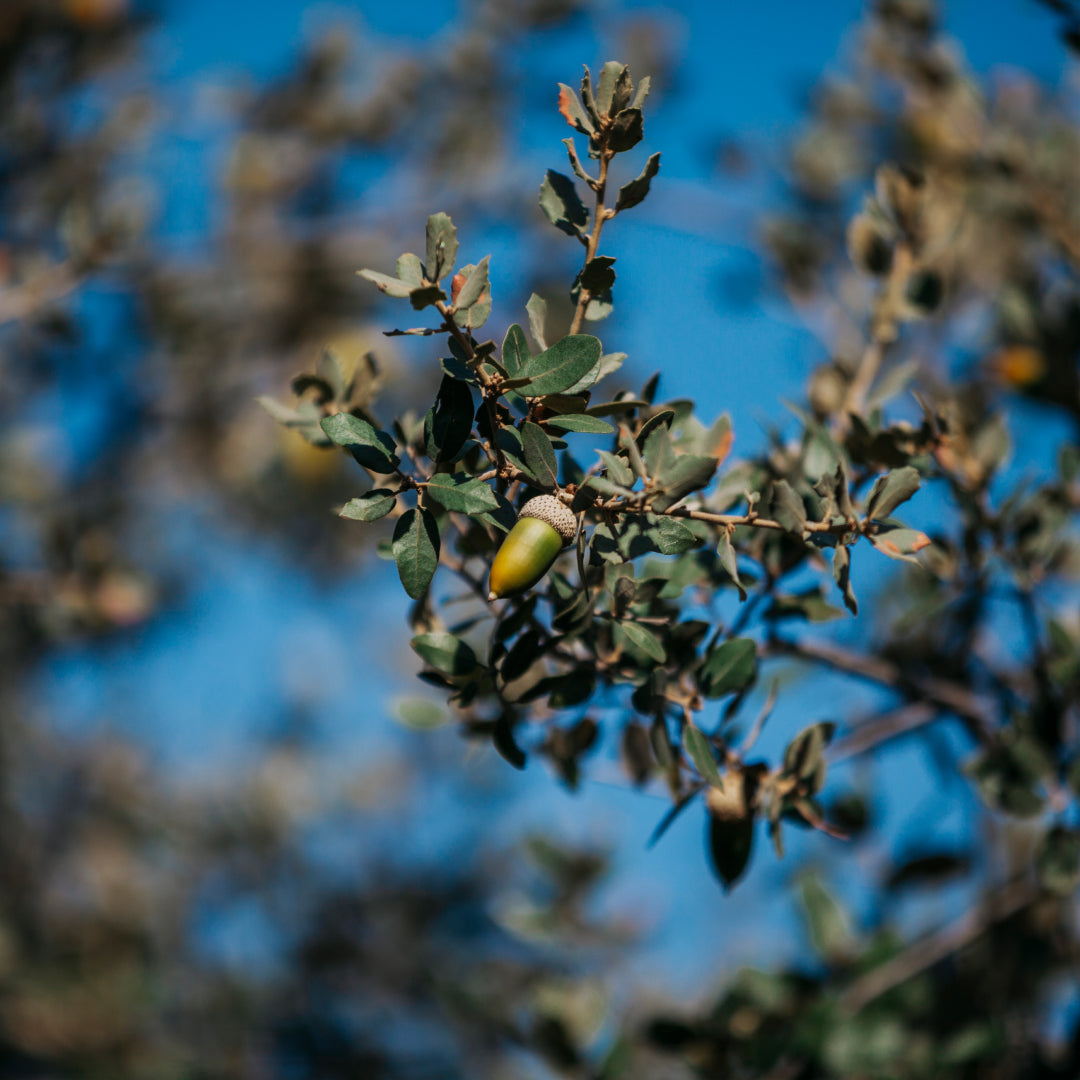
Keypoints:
pixel 599 217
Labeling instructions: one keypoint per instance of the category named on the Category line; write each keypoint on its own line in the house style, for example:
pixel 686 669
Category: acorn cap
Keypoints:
pixel 548 508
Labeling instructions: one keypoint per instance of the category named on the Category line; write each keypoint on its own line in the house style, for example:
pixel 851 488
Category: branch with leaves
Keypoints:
pixel 666 525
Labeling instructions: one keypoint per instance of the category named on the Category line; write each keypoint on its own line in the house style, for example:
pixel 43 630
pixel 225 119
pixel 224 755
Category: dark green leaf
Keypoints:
pixel 449 421
pixel 370 506
pixel 617 468
pixel 672 537
pixel 445 652
pixel 597 275
pixel 557 369
pixel 841 565
pixel 608 363
pixel 416 550
pixel 539 455
pixel 728 561
pixel 632 193
pixel 522 655
pixel 729 668
pixel 891 490
pixel 462 494
pixel 627 131
pixel 371 448
pixel 642 639
pixel 805 753
pixel 580 422
pixel 700 752
pixel 687 473
pixel 515 350
pixel 425 296
pixel 560 202
pixel 442 246
pixel 502 738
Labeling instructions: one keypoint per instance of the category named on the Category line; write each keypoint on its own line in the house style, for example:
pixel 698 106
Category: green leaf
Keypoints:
pixel 627 131
pixel 728 561
pixel 573 112
pixel 462 494
pixel 580 422
pixel 442 246
pixel 827 922
pixel 537 309
pixel 805 753
pixel 420 714
pixel 476 284
pixel 370 506
pixel 449 421
pixel 416 550
pixel 642 93
pixel 445 653
pixel 841 566
pixel 474 315
pixel 729 668
pixel 392 286
pixel 605 85
pixel 642 639
pixel 898 542
pixel 515 351
pixel 606 365
pixel 687 473
pixel 561 203
pixel 425 296
pixel 410 269
pixel 788 508
pixel 373 449
pixel 632 193
pixel 617 468
pixel 539 454
pixel 597 275
pixel 556 369
pixel 891 490
pixel 700 752
pixel 672 537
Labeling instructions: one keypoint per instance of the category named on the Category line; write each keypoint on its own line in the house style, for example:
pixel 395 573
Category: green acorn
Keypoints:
pixel 544 527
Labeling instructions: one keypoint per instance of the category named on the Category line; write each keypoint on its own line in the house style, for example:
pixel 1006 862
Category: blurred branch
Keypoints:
pixel 44 288
pixel 956 698
pixel 890 725
pixel 926 952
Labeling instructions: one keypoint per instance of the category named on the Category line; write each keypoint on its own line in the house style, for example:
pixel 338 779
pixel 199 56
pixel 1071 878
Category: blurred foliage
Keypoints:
pixel 922 205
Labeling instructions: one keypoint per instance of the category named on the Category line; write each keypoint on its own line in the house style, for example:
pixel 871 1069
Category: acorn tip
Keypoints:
pixel 492 598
